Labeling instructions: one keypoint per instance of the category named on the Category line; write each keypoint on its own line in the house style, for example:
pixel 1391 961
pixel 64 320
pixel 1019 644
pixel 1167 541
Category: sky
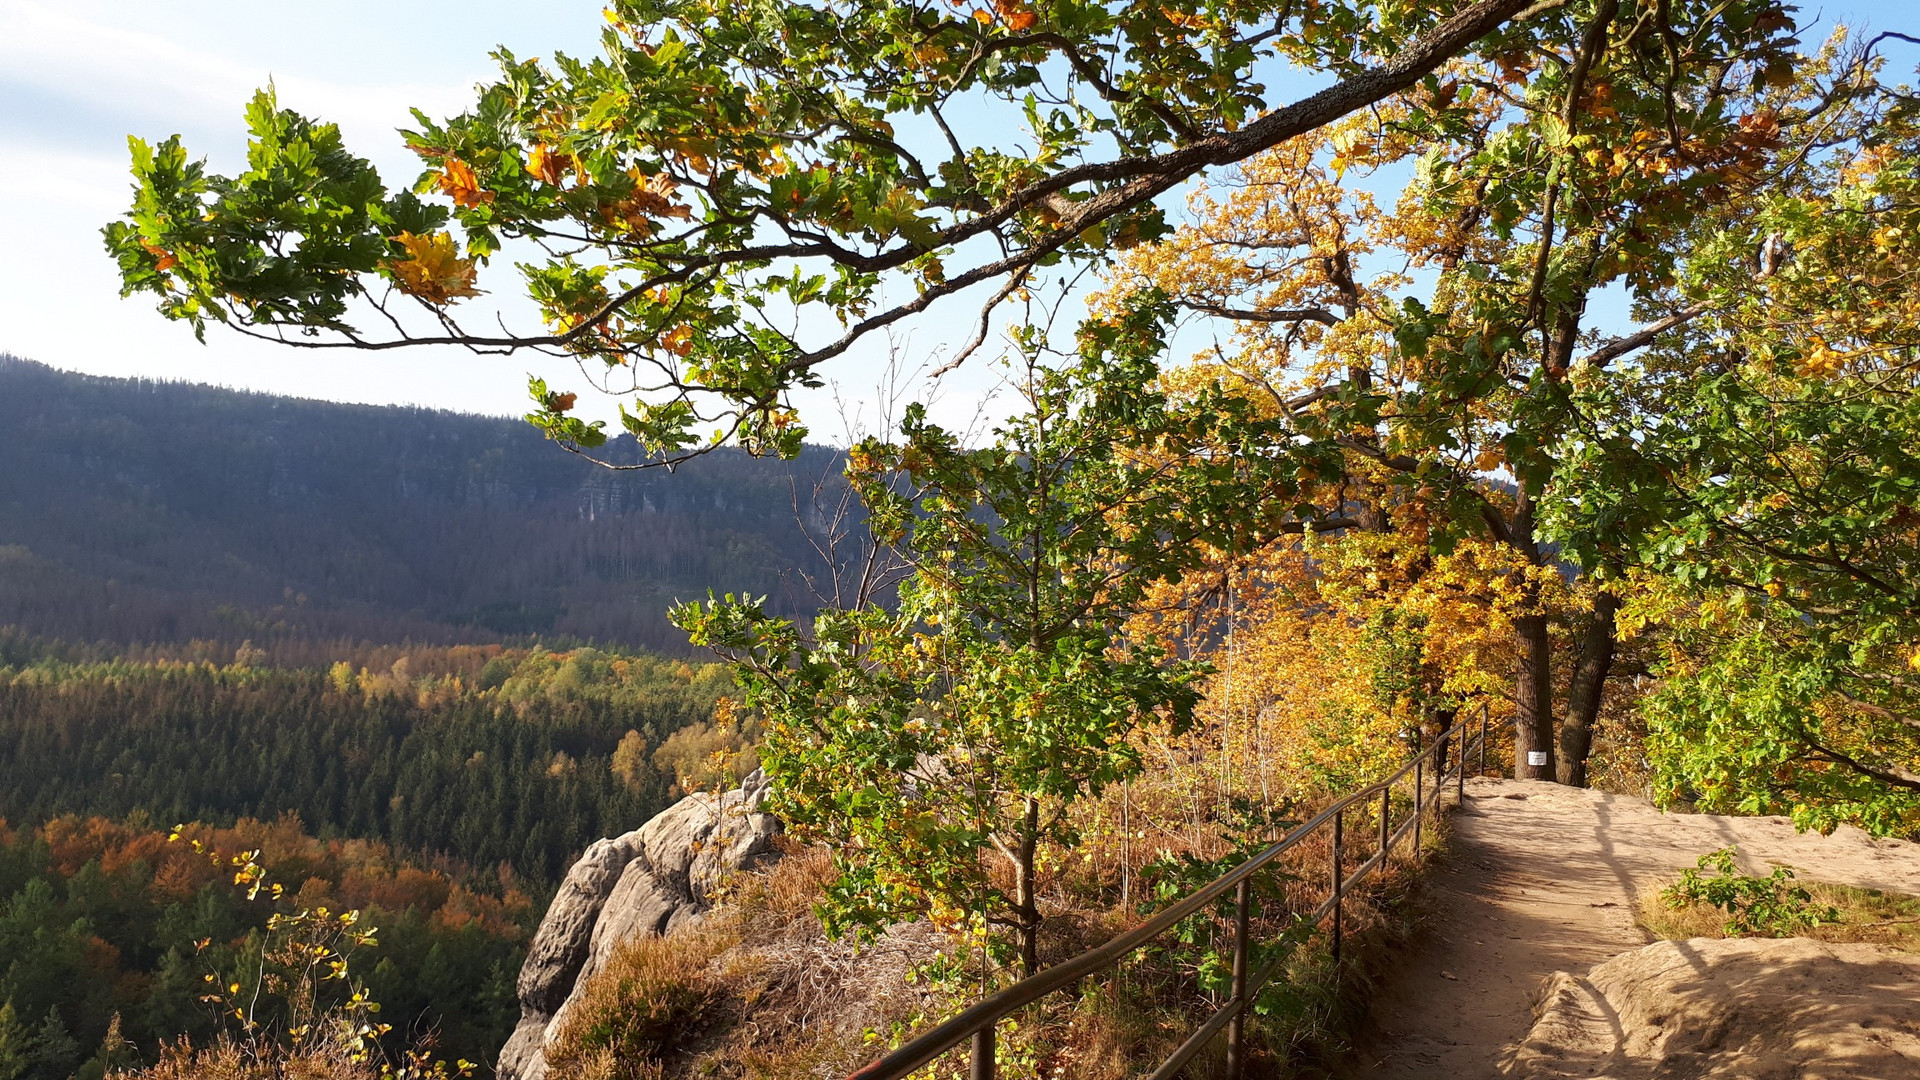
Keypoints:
pixel 78 76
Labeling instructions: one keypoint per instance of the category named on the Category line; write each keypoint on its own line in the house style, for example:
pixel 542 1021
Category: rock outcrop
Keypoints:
pixel 1740 1009
pixel 652 880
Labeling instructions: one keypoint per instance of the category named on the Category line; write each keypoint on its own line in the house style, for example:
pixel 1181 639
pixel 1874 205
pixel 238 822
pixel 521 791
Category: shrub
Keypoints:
pixel 644 1005
pixel 1769 906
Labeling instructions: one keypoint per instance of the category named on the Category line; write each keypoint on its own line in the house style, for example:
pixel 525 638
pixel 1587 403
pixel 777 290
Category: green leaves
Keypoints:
pixel 924 740
pixel 285 243
pixel 1754 905
pixel 685 194
pixel 1761 463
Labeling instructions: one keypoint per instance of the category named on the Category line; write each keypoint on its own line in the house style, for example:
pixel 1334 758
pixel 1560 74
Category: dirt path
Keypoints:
pixel 1544 878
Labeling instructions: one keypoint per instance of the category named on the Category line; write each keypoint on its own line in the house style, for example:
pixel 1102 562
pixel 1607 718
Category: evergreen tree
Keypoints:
pixel 52 1052
pixel 16 1046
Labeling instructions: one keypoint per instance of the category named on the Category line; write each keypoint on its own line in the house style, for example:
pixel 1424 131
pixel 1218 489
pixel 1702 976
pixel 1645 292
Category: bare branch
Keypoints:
pixel 1613 350
pixel 1274 315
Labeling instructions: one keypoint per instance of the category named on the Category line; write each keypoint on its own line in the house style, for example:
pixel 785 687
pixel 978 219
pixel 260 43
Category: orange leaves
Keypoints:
pixel 1018 17
pixel 1515 64
pixel 166 260
pixel 678 341
pixel 458 182
pixel 1186 20
pixel 1760 129
pixel 433 269
pixel 550 166
pixel 1597 102
pixel 651 198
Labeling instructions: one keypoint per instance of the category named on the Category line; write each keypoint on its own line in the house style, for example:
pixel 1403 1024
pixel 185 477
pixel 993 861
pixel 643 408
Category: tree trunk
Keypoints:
pixel 1533 680
pixel 1533 701
pixel 1443 722
pixel 1026 903
pixel 1589 683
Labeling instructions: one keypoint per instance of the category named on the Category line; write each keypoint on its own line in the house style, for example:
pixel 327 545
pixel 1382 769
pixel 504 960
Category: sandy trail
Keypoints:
pixel 1544 878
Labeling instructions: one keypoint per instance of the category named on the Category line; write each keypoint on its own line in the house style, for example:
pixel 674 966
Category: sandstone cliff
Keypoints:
pixel 652 880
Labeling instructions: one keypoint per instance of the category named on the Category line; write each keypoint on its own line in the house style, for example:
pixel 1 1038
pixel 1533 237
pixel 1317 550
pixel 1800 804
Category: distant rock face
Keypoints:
pixel 652 880
pixel 1741 1009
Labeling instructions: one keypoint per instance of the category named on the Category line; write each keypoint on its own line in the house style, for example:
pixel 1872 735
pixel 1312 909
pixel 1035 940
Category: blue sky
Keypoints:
pixel 77 76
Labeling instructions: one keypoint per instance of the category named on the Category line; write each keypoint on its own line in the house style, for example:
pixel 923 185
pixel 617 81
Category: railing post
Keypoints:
pixel 1483 739
pixel 1386 824
pixel 982 1055
pixel 1460 767
pixel 1338 890
pixel 1237 1027
pixel 1419 802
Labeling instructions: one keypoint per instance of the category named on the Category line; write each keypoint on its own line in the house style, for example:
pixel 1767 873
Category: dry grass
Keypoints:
pixel 1129 1020
pixel 757 992
pixel 1866 915
pixel 653 996
pixel 226 1060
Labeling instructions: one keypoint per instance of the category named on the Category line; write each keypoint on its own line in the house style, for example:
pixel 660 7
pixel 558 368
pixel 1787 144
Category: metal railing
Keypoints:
pixel 976 1023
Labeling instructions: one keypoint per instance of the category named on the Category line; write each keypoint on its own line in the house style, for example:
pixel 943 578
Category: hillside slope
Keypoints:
pixel 140 511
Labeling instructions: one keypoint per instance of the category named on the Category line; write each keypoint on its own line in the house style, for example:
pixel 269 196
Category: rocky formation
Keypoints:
pixel 652 880
pixel 1741 1009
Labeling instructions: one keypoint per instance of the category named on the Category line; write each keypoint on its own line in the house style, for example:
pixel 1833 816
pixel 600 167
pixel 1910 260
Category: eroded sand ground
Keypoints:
pixel 1545 878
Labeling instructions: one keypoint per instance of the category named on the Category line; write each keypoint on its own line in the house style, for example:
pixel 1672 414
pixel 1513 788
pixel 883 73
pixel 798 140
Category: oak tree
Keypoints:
pixel 736 193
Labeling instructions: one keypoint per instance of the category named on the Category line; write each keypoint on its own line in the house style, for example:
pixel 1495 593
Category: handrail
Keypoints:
pixel 977 1021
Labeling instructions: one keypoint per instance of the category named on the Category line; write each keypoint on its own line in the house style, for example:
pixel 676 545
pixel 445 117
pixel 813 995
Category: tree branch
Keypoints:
pixel 1613 350
pixel 1274 315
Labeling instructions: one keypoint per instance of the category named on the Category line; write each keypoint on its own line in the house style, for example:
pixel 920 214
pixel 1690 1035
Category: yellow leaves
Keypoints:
pixel 458 182
pixel 1914 660
pixel 1820 360
pixel 1186 20
pixel 433 269
pixel 1867 164
pixel 1346 147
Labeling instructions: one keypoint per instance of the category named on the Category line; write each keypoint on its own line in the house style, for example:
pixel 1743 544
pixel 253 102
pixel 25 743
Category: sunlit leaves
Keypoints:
pixel 433 269
pixel 929 740
pixel 721 154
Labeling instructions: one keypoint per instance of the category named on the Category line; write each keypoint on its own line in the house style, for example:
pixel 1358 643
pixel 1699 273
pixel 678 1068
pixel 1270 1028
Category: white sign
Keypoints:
pixel 1536 757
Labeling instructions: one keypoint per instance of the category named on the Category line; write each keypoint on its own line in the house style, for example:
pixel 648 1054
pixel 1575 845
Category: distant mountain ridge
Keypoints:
pixel 141 511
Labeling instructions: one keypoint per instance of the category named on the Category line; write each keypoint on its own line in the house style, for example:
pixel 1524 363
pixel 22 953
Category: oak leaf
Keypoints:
pixel 1017 17
pixel 458 182
pixel 166 260
pixel 433 269
pixel 549 165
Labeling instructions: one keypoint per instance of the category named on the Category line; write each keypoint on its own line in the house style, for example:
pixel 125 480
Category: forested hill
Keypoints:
pixel 140 511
